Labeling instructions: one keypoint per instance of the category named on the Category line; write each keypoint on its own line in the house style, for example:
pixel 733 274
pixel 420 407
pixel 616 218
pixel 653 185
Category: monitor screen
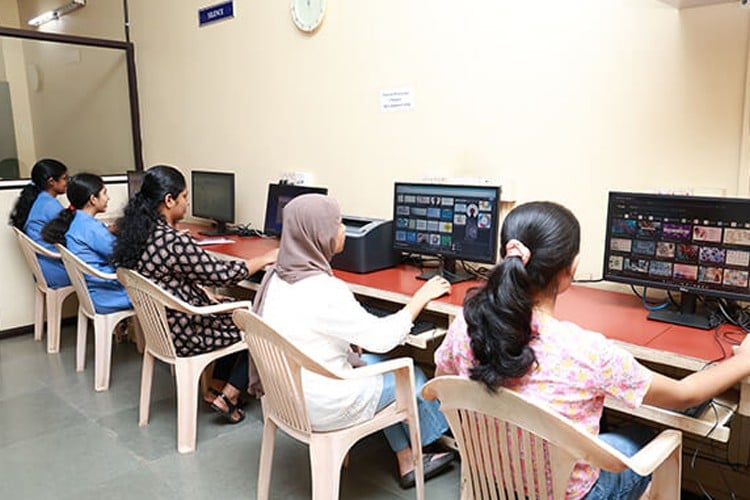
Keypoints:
pixel 135 179
pixel 213 198
pixel 278 196
pixel 699 246
pixel 449 221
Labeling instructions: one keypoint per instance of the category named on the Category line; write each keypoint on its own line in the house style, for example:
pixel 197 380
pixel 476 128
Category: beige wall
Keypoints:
pixel 561 100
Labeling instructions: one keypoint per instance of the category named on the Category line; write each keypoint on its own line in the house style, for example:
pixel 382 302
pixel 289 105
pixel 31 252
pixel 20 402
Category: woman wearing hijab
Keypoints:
pixel 317 312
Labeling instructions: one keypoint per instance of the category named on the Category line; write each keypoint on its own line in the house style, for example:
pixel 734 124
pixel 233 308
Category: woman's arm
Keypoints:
pixel 257 263
pixel 699 386
pixel 435 287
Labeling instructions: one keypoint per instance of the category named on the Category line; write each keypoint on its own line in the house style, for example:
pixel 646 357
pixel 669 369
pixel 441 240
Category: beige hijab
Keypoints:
pixel 308 241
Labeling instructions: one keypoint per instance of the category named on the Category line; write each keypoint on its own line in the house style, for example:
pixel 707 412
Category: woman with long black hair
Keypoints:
pixel 148 242
pixel 77 229
pixel 36 206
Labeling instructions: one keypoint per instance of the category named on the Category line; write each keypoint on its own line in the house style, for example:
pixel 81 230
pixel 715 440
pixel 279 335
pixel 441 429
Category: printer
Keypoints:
pixel 368 247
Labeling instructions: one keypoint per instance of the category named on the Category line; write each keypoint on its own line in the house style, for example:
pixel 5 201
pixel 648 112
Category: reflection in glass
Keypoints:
pixel 64 101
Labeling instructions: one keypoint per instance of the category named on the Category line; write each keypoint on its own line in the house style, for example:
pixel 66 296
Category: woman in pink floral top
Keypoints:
pixel 508 336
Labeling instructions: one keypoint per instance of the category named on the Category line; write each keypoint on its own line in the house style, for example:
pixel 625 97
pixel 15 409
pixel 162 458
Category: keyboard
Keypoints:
pixel 695 411
pixel 420 326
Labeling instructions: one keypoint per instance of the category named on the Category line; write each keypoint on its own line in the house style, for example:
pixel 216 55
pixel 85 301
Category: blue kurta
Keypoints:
pixel 91 241
pixel 45 208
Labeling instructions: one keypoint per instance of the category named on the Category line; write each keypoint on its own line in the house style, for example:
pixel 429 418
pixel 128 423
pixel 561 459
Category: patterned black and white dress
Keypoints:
pixel 175 262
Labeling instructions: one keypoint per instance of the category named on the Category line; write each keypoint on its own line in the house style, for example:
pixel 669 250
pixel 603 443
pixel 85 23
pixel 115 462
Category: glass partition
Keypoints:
pixel 70 98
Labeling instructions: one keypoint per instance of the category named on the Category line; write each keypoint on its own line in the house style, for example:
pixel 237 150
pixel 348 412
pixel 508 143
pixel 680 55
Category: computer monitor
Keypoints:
pixel 213 198
pixel 698 246
pixel 450 221
pixel 278 196
pixel 135 179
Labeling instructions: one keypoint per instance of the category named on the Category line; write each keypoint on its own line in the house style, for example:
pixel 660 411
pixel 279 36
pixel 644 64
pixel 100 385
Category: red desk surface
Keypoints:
pixel 619 316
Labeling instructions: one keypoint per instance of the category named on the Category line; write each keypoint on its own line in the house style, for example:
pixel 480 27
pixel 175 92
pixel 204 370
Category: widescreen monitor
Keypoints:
pixel 450 221
pixel 278 196
pixel 699 246
pixel 213 198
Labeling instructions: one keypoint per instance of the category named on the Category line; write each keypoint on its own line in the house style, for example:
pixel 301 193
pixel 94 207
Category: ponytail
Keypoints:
pixel 539 240
pixel 54 231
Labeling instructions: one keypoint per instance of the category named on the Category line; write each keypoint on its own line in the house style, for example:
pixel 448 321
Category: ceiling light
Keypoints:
pixel 57 13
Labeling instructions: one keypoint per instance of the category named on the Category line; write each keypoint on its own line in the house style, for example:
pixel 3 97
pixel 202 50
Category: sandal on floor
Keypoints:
pixel 232 408
pixel 434 464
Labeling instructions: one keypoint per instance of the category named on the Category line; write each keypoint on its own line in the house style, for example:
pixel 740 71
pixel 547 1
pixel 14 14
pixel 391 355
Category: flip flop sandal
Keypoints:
pixel 228 415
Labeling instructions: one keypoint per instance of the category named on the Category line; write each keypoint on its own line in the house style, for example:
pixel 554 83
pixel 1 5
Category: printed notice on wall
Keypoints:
pixel 397 99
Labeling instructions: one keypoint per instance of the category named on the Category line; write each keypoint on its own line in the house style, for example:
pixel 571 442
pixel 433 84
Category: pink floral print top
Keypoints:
pixel 575 370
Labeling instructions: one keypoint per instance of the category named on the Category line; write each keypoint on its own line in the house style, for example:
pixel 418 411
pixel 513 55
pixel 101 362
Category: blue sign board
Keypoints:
pixel 218 12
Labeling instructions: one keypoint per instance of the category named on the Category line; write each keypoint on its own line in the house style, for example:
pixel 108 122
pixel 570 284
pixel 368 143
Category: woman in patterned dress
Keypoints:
pixel 508 336
pixel 148 242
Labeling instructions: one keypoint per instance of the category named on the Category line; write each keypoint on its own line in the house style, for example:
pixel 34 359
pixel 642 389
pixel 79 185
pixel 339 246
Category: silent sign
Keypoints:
pixel 218 12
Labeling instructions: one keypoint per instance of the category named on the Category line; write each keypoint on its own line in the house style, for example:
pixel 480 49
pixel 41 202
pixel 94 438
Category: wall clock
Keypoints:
pixel 308 14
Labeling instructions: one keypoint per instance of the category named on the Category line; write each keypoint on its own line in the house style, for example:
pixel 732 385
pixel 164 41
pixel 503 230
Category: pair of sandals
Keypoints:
pixel 232 408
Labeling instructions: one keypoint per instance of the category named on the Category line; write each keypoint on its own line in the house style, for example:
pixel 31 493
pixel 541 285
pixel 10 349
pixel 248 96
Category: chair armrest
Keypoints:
pixel 102 275
pixel 224 307
pixel 651 456
pixel 388 366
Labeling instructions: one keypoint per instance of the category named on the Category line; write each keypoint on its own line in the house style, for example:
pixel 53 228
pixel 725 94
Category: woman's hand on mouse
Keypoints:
pixel 432 289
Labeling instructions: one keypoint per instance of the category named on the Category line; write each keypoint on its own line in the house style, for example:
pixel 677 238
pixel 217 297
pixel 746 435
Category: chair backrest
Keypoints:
pixel 77 271
pixel 279 365
pixel 151 302
pixel 30 250
pixel 509 442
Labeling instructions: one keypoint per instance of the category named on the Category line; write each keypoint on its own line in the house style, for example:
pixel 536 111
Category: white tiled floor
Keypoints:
pixel 60 439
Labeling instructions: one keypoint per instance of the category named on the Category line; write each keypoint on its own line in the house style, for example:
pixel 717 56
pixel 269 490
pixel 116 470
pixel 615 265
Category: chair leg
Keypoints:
pixel 81 333
pixel 325 468
pixel 53 324
pixel 187 407
pixel 147 374
pixel 102 354
pixel 38 314
pixel 266 459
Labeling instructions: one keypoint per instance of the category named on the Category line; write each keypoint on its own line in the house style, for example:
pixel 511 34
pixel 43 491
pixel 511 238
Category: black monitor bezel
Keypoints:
pixel 451 255
pixel 270 228
pixel 666 285
pixel 205 215
pixel 134 180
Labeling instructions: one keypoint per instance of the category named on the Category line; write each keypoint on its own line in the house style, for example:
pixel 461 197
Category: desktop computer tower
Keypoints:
pixel 368 247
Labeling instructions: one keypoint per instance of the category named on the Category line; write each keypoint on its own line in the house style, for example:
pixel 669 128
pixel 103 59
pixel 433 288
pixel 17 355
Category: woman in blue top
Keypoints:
pixel 36 206
pixel 89 239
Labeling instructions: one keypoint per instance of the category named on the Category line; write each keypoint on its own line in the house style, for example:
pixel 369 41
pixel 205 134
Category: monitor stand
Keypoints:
pixel 221 230
pixel 686 315
pixel 446 269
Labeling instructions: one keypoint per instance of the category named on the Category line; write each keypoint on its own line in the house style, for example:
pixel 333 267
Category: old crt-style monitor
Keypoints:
pixel 213 198
pixel 699 246
pixel 135 179
pixel 453 222
pixel 278 196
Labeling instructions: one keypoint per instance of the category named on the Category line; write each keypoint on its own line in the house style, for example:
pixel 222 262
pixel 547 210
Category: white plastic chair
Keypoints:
pixel 54 297
pixel 493 431
pixel 151 303
pixel 279 365
pixel 104 324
